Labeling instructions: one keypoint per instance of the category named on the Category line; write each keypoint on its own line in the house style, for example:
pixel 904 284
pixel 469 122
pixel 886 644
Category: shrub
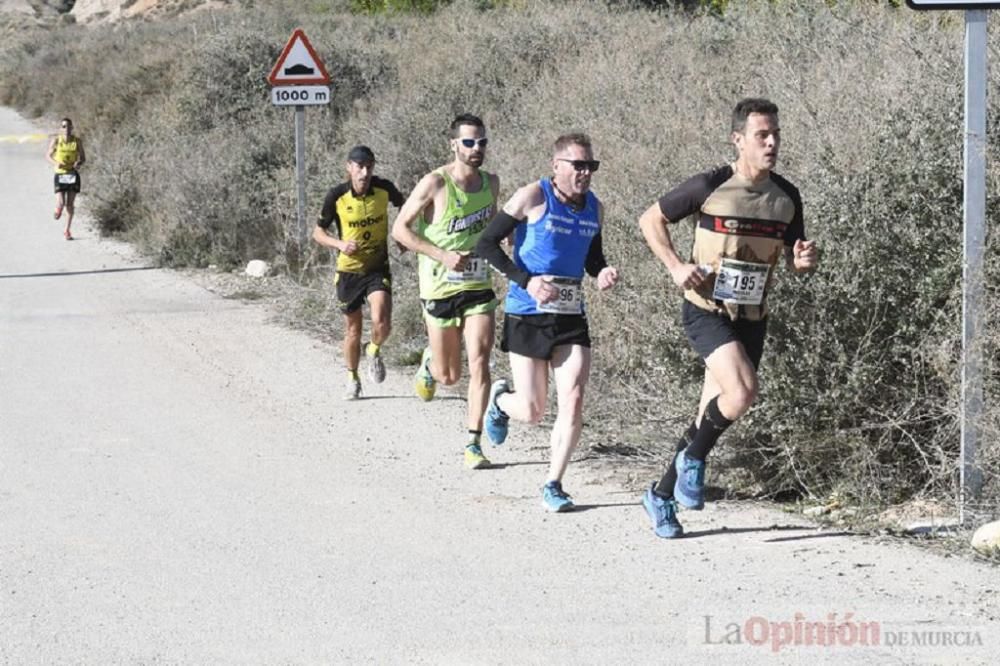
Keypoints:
pixel 860 374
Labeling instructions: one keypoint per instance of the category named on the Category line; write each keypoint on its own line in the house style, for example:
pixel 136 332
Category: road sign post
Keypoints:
pixel 973 236
pixel 299 79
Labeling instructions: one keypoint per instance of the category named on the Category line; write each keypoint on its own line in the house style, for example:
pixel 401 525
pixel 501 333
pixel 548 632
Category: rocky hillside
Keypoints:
pixel 87 11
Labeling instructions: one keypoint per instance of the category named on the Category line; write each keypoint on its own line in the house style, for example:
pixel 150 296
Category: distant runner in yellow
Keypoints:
pixel 442 221
pixel 357 210
pixel 66 155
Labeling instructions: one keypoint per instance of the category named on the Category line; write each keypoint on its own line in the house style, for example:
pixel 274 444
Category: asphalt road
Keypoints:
pixel 180 482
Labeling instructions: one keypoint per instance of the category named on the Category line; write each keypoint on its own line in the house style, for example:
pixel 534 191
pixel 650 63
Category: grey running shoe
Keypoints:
pixel 376 368
pixel 352 389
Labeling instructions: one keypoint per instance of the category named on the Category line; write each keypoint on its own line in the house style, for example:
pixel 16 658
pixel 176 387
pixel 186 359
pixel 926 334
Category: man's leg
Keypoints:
pixel 526 403
pixel 380 304
pixel 60 204
pixel 731 371
pixel 445 344
pixel 70 201
pixel 571 368
pixel 730 389
pixel 352 340
pixel 352 352
pixel 478 333
pixel 479 330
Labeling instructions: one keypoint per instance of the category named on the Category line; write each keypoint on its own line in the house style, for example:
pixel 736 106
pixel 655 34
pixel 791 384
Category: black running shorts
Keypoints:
pixel 536 336
pixel 354 288
pixel 67 182
pixel 707 331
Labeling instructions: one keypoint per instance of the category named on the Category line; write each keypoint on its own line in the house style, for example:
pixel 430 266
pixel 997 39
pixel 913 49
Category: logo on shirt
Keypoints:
pixel 474 221
pixel 366 222
pixel 763 228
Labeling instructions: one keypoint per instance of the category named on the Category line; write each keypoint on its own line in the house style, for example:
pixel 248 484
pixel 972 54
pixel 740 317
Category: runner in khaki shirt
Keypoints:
pixel 746 219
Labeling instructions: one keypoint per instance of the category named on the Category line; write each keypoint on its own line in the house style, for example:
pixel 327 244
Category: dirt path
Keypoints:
pixel 181 483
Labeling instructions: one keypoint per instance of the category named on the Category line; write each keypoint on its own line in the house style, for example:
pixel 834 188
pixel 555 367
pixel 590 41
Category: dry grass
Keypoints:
pixel 861 371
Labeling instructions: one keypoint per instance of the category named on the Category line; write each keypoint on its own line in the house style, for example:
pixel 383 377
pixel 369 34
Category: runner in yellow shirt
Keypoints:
pixel 357 210
pixel 67 156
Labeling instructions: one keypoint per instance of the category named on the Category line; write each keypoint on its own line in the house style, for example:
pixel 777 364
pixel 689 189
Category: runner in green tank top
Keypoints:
pixel 459 199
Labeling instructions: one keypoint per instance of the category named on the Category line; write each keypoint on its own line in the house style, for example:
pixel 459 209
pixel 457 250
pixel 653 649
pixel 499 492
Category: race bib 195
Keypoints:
pixel 740 282
pixel 67 179
pixel 570 299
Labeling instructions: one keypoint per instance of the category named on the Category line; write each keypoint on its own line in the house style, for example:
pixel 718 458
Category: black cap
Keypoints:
pixel 361 154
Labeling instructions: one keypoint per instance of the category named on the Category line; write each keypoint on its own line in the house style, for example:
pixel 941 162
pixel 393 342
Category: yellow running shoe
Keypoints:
pixel 474 458
pixel 423 381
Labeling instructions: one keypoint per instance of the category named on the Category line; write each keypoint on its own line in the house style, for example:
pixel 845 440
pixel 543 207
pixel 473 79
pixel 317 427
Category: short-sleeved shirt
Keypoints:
pixel 364 219
pixel 738 220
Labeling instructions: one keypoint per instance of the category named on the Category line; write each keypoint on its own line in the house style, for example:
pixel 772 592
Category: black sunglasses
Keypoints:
pixel 583 165
pixel 469 143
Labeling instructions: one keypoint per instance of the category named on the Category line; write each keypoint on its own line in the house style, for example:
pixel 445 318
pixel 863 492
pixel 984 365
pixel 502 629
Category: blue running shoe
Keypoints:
pixel 555 499
pixel 689 490
pixel 496 421
pixel 663 513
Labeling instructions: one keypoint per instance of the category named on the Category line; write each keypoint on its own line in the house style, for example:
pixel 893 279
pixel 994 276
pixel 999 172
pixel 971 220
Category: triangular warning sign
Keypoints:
pixel 298 64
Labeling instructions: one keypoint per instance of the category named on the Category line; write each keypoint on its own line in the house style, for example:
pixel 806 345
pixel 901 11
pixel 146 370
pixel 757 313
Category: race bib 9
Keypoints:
pixel 570 299
pixel 475 271
pixel 67 179
pixel 740 282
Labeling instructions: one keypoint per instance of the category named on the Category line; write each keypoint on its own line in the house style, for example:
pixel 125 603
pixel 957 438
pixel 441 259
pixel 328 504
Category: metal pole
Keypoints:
pixel 300 180
pixel 974 211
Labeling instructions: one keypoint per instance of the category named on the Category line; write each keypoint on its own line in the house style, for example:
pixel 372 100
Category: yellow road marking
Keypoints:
pixel 23 138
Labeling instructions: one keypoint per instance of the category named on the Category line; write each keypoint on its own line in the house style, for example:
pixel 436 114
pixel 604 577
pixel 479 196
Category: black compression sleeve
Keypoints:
pixel 488 247
pixel 595 257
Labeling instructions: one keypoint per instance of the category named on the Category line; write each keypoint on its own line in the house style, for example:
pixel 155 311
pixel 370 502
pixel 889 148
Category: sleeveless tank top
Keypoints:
pixel 457 228
pixel 66 153
pixel 556 244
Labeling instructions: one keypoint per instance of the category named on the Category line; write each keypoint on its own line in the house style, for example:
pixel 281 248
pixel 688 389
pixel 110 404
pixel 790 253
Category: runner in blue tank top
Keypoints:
pixel 556 244
pixel 557 237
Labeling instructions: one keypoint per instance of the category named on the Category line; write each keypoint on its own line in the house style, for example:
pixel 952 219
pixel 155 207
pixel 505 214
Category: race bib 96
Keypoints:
pixel 570 299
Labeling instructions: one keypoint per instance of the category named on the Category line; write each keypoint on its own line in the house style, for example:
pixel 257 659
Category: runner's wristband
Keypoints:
pixel 488 247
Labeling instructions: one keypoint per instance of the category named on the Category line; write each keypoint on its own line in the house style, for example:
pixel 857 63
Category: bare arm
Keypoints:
pixel 322 237
pixel 422 202
pixel 654 229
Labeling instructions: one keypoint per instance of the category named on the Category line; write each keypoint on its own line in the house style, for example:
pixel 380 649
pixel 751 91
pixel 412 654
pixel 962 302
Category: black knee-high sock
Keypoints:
pixel 713 424
pixel 665 488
